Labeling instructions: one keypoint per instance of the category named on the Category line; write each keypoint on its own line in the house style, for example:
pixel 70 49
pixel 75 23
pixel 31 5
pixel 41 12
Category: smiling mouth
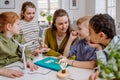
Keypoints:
pixel 63 29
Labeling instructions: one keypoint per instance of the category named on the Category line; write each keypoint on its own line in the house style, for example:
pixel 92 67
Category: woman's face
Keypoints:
pixel 29 14
pixel 62 24
pixel 83 30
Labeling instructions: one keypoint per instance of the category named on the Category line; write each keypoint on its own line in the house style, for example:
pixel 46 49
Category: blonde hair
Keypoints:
pixel 25 6
pixel 83 19
pixel 7 17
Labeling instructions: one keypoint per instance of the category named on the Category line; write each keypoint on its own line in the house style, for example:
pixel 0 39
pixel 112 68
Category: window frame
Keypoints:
pixel 48 9
pixel 111 7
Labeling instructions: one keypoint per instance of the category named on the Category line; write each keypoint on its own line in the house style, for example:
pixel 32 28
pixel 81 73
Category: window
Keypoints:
pixel 111 8
pixel 49 6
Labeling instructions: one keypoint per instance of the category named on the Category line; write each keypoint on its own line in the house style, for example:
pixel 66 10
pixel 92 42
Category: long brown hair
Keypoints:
pixel 25 6
pixel 5 18
pixel 60 13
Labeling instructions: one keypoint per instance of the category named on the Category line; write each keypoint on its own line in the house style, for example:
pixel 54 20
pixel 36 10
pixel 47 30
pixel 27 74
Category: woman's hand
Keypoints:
pixel 32 66
pixel 61 57
pixel 40 51
pixel 43 45
pixel 10 73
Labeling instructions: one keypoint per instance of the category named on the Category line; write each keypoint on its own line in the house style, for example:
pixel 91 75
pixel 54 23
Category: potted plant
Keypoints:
pixel 49 19
pixel 43 14
pixel 111 70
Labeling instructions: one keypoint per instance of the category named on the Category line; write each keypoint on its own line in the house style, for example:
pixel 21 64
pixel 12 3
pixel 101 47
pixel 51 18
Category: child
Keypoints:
pixel 102 31
pixel 30 28
pixel 85 54
pixel 10 52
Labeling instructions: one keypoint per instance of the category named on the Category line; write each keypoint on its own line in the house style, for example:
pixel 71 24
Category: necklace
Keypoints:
pixel 60 38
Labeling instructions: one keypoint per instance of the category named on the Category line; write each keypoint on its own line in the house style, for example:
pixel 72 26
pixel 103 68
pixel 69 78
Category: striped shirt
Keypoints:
pixel 30 30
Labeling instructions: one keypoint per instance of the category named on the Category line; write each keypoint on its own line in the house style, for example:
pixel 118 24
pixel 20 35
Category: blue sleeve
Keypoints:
pixel 93 55
pixel 73 50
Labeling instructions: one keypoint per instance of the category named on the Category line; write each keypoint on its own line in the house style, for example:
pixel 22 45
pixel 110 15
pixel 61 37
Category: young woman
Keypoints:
pixel 57 36
pixel 10 52
pixel 30 28
pixel 85 54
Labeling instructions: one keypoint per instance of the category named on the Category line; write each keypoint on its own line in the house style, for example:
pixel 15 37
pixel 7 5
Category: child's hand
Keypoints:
pixel 10 73
pixel 35 53
pixel 62 58
pixel 31 65
pixel 94 76
pixel 73 35
pixel 98 46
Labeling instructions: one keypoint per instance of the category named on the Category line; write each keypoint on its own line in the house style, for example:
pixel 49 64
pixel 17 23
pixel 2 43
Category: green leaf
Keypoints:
pixel 101 76
pixel 107 71
pixel 49 18
pixel 43 13
pixel 110 67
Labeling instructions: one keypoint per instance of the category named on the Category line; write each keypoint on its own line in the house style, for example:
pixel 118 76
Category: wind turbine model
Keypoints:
pixel 43 34
pixel 23 46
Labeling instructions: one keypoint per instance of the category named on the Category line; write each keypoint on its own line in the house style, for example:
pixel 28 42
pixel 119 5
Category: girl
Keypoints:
pixel 10 52
pixel 29 25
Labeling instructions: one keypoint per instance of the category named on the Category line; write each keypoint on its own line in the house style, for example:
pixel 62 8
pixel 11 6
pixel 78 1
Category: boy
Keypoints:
pixel 85 54
pixel 102 31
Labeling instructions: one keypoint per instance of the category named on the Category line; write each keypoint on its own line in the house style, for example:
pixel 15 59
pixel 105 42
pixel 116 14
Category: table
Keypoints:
pixel 46 74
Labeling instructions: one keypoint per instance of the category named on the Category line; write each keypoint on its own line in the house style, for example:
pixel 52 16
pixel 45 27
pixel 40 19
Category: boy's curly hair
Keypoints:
pixel 103 23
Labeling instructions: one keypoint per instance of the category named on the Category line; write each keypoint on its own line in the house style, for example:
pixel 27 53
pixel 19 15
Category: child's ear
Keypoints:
pixel 8 26
pixel 102 35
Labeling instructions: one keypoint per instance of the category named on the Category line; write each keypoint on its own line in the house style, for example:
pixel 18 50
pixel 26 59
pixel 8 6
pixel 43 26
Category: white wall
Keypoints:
pixel 118 11
pixel 74 14
pixel 18 4
pixel 100 6
pixel 90 7
pixel 86 7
